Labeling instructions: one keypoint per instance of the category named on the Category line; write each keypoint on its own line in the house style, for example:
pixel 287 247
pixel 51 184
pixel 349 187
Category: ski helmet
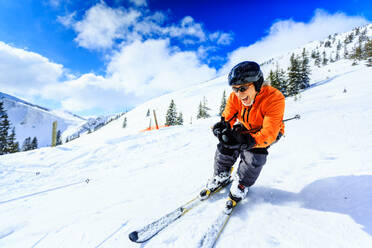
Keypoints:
pixel 246 72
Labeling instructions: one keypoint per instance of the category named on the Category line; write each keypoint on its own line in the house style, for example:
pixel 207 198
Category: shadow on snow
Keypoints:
pixel 350 195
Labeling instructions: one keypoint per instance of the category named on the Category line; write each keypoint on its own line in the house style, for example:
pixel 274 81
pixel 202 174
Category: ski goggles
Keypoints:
pixel 241 88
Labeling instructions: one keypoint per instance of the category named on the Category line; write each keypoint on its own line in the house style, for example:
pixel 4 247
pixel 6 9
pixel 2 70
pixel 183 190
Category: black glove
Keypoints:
pixel 219 127
pixel 235 139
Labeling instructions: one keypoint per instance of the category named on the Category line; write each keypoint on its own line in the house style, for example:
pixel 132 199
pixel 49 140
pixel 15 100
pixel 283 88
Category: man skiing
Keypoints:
pixel 257 111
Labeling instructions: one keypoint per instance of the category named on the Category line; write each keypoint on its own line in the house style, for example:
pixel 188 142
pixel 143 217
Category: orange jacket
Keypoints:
pixel 263 119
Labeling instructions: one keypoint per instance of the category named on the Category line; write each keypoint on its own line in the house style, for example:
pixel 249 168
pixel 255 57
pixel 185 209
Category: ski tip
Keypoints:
pixel 133 236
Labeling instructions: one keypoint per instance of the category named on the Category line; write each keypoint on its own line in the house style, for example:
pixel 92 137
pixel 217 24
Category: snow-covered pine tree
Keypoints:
pixel 26 146
pixel 304 71
pixel 203 109
pixel 368 52
pixel 294 76
pixel 200 111
pixel 337 55
pixel 223 103
pixel 363 35
pixel 7 141
pixel 324 59
pixel 339 45
pixel 171 117
pixel 34 143
pixel 349 38
pixel 4 127
pixel 179 120
pixel 317 59
pixel 278 79
pixel 13 145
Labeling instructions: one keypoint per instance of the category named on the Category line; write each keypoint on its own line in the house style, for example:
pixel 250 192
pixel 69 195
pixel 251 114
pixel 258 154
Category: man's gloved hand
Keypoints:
pixel 219 127
pixel 235 139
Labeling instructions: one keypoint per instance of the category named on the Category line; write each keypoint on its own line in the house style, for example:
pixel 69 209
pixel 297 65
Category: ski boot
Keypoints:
pixel 237 193
pixel 214 183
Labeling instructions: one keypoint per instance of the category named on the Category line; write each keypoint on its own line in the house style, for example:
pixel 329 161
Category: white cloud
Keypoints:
pixel 139 2
pixel 102 27
pixel 55 3
pixel 135 73
pixel 84 93
pixel 285 35
pixel 221 38
pixel 23 73
pixel 67 20
pixel 152 67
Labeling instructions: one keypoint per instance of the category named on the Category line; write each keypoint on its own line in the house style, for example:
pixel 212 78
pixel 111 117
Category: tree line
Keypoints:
pixel 173 118
pixel 296 79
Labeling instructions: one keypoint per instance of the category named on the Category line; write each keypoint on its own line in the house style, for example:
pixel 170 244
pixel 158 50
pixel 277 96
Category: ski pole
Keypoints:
pixel 295 117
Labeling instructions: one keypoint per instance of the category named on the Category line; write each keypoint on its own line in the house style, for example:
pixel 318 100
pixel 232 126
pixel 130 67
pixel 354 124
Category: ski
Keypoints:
pixel 211 236
pixel 150 230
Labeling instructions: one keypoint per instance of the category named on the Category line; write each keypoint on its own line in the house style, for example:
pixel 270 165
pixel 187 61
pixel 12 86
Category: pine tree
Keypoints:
pixel 278 80
pixel 304 71
pixel 339 45
pixel 206 109
pixel 179 120
pixel 4 130
pixel 346 52
pixel 171 117
pixel 357 53
pixel 357 31
pixel 294 76
pixel 337 55
pixel 26 144
pixel 125 122
pixel 368 52
pixel 324 60
pixel 349 38
pixel 317 59
pixel 363 36
pixel 34 143
pixel 203 109
pixel 313 54
pixel 59 137
pixel 200 111
pixel 223 103
pixel 13 145
pixel 272 79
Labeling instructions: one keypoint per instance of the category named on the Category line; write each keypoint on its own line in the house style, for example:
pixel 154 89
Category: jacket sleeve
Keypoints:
pixel 272 121
pixel 231 109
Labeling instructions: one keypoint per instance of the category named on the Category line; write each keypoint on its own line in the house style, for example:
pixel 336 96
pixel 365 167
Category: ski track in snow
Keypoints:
pixel 314 190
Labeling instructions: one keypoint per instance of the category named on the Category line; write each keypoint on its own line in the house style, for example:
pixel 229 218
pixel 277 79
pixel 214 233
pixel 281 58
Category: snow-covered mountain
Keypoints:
pixel 31 120
pixel 314 190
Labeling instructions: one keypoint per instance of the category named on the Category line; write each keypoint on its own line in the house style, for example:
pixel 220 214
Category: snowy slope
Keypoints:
pixel 31 120
pixel 313 192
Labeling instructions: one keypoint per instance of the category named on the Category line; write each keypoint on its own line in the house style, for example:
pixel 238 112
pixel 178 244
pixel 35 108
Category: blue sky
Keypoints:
pixel 98 57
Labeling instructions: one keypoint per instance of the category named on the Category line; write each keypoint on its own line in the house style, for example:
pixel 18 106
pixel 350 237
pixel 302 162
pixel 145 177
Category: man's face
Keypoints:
pixel 245 92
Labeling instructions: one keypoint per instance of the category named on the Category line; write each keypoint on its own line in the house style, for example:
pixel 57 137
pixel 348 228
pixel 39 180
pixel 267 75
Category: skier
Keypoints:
pixel 257 111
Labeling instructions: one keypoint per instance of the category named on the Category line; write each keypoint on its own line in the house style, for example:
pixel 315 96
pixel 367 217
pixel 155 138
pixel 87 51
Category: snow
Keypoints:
pixel 314 191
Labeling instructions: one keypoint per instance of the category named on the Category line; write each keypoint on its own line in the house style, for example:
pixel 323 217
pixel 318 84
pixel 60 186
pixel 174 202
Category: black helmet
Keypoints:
pixel 246 72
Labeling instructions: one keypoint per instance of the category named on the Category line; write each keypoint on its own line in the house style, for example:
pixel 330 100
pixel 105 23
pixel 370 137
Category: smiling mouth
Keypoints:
pixel 245 99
